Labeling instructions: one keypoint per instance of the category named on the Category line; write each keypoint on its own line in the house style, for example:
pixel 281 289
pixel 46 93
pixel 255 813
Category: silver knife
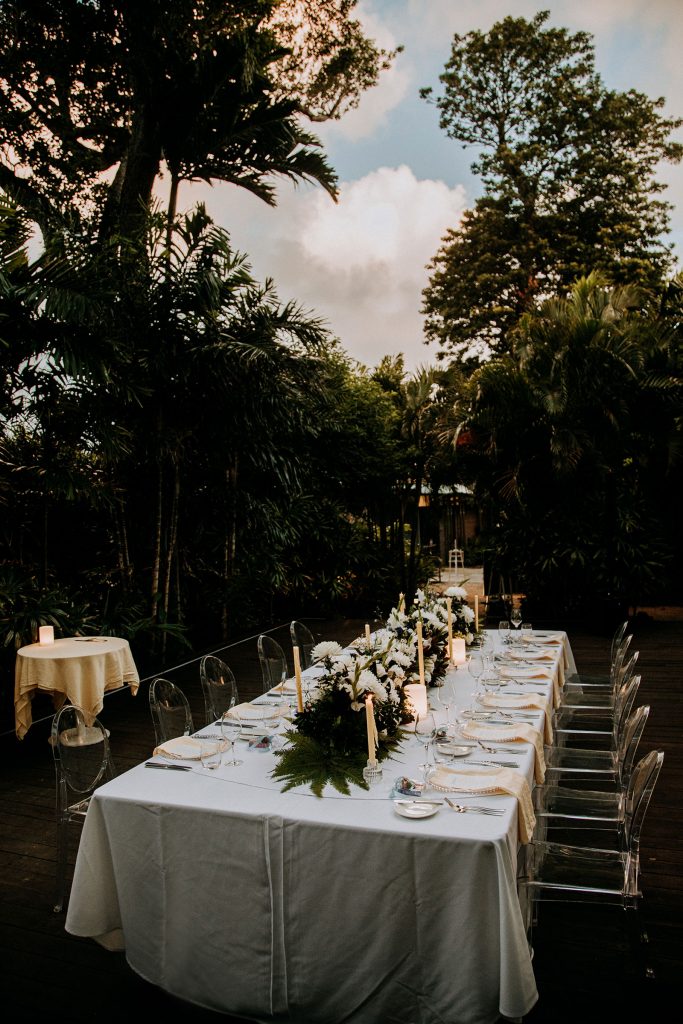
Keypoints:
pixel 169 767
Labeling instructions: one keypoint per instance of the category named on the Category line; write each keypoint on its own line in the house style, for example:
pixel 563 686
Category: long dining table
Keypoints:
pixel 282 906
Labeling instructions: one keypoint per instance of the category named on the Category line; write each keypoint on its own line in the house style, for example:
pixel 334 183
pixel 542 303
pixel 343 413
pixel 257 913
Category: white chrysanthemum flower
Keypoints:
pixel 355 706
pixel 397 672
pixel 469 638
pixel 401 657
pixel 419 597
pixel 380 670
pixel 326 649
pixel 467 614
pixel 432 619
pixel 456 592
pixel 344 663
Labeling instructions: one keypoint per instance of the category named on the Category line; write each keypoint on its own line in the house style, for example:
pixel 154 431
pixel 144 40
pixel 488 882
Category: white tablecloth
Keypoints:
pixel 285 907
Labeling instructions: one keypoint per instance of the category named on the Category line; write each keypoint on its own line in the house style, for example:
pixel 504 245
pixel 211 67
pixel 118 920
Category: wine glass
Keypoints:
pixel 231 729
pixel 516 617
pixel 425 727
pixel 504 631
pixel 527 632
pixel 475 665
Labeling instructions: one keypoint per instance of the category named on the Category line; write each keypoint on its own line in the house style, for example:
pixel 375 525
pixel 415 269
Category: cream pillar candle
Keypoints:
pixel 449 605
pixel 46 635
pixel 476 613
pixel 297 677
pixel 420 653
pixel 459 651
pixel 370 727
pixel 417 695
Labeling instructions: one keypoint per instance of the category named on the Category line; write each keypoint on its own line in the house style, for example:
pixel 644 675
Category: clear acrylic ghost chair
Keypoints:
pixel 603 767
pixel 585 874
pixel 603 682
pixel 600 695
pixel 273 662
pixel 304 640
pixel 599 728
pixel 170 710
pixel 82 763
pixel 560 809
pixel 218 686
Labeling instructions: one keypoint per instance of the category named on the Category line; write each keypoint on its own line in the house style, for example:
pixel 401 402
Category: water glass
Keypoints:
pixel 527 632
pixel 504 631
pixel 210 753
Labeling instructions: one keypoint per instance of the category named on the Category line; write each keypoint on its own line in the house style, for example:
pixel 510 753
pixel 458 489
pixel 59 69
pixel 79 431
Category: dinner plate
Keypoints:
pixel 454 749
pixel 415 808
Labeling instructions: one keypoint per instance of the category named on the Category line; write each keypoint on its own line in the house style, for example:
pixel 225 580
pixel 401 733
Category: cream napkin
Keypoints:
pixel 542 672
pixel 497 780
pixel 508 701
pixel 256 712
pixel 515 731
pixel 185 748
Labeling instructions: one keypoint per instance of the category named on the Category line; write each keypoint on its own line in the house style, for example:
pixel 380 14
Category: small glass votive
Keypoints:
pixel 372 773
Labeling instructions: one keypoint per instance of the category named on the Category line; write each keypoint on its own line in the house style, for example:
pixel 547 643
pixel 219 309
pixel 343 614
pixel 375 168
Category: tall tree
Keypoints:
pixel 568 169
pixel 570 439
pixel 98 96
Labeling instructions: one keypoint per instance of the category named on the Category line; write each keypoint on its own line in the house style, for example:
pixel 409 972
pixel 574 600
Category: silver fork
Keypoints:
pixel 474 808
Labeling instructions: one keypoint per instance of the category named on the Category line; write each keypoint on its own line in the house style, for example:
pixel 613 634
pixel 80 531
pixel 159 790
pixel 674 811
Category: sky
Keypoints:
pixel 361 263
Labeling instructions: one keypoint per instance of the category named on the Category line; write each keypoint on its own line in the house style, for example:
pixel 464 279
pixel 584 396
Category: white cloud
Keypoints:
pixel 360 263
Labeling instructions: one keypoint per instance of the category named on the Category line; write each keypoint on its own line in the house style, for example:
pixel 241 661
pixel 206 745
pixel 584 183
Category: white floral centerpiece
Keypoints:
pixel 432 612
pixel 328 741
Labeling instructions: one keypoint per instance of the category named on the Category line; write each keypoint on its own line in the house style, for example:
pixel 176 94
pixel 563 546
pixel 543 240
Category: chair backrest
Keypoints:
pixel 81 755
pixel 619 634
pixel 218 686
pixel 625 670
pixel 638 795
pixel 623 703
pixel 170 710
pixel 304 640
pixel 629 738
pixel 273 662
pixel 620 654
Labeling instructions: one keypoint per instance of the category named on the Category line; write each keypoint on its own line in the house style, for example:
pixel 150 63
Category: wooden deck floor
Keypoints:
pixel 582 961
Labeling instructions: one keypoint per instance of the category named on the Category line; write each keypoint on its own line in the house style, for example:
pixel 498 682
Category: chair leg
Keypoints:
pixel 60 885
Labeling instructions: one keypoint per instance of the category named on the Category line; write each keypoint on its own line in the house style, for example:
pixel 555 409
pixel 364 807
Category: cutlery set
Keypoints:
pixel 460 808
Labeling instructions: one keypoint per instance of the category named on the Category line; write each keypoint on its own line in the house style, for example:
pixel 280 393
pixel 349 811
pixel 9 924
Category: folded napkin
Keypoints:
pixel 184 748
pixel 289 686
pixel 257 712
pixel 509 701
pixel 514 732
pixel 529 656
pixel 521 673
pixel 497 780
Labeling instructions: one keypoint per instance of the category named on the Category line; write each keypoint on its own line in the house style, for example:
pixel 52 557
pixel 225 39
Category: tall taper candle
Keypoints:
pixel 420 653
pixel 400 602
pixel 449 605
pixel 370 726
pixel 367 631
pixel 297 677
pixel 476 613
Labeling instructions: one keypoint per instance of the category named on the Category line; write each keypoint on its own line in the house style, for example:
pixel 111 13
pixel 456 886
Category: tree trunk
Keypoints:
pixel 156 558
